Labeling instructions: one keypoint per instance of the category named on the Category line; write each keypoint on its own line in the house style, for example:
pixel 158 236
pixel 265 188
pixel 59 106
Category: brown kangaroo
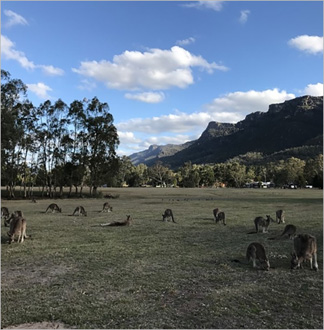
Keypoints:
pixel 221 217
pixel 280 216
pixel 107 208
pixel 17 228
pixel 168 214
pixel 215 212
pixel 256 251
pixel 305 248
pixel 80 211
pixel 53 207
pixel 290 231
pixel 127 222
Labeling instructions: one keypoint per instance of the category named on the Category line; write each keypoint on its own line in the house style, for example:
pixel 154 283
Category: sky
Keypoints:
pixel 165 68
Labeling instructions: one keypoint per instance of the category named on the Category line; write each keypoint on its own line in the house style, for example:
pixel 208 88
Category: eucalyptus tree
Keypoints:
pixel 102 141
pixel 13 101
pixel 158 174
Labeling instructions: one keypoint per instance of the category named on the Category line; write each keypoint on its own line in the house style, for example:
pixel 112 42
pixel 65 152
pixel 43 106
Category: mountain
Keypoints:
pixel 294 125
pixel 154 152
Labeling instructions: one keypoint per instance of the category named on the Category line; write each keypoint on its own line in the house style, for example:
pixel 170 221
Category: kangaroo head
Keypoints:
pixel 265 264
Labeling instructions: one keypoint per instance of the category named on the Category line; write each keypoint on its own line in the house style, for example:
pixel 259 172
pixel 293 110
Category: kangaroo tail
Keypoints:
pixel 252 232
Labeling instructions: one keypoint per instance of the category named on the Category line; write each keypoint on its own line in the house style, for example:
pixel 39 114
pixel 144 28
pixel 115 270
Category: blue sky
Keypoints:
pixel 165 68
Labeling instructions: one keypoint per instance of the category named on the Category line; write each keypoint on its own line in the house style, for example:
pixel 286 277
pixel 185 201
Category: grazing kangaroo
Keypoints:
pixel 168 214
pixel 80 211
pixel 53 207
pixel 215 212
pixel 107 208
pixel 127 222
pixel 17 228
pixel 280 216
pixel 305 248
pixel 221 217
pixel 256 251
pixel 290 231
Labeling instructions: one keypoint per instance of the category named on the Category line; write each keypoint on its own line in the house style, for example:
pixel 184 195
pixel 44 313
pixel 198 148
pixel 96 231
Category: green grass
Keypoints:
pixel 163 275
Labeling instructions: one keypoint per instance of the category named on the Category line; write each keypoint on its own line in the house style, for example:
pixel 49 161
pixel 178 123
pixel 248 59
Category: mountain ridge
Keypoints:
pixel 291 124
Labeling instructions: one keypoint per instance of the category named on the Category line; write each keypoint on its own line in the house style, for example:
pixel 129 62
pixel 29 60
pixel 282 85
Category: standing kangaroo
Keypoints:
pixel 256 251
pixel 107 208
pixel 305 248
pixel 280 216
pixel 80 211
pixel 168 214
pixel 17 228
pixel 221 217
pixel 13 215
pixel 53 207
pixel 215 212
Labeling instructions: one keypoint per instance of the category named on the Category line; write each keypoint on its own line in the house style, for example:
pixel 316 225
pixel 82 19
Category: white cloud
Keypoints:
pixel 147 97
pixel 186 42
pixel 314 89
pixel 50 70
pixel 154 69
pixel 87 85
pixel 308 44
pixel 214 5
pixel 229 108
pixel 41 90
pixel 128 138
pixel 246 102
pixel 14 19
pixel 9 52
pixel 244 16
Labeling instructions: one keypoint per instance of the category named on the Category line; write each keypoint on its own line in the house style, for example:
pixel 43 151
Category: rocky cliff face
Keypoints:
pixel 290 124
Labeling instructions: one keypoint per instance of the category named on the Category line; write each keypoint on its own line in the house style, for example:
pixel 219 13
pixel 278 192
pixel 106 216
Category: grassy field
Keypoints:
pixel 159 275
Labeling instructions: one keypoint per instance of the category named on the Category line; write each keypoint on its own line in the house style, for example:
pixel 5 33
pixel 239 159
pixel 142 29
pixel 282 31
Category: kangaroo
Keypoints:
pixel 6 215
pixel 4 212
pixel 260 222
pixel 17 228
pixel 280 216
pixel 13 215
pixel 305 248
pixel 127 222
pixel 290 231
pixel 256 251
pixel 34 200
pixel 215 212
pixel 80 211
pixel 221 217
pixel 53 207
pixel 107 208
pixel 168 214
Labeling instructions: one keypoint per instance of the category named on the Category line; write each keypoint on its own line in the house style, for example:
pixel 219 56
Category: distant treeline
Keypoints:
pixel 55 145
